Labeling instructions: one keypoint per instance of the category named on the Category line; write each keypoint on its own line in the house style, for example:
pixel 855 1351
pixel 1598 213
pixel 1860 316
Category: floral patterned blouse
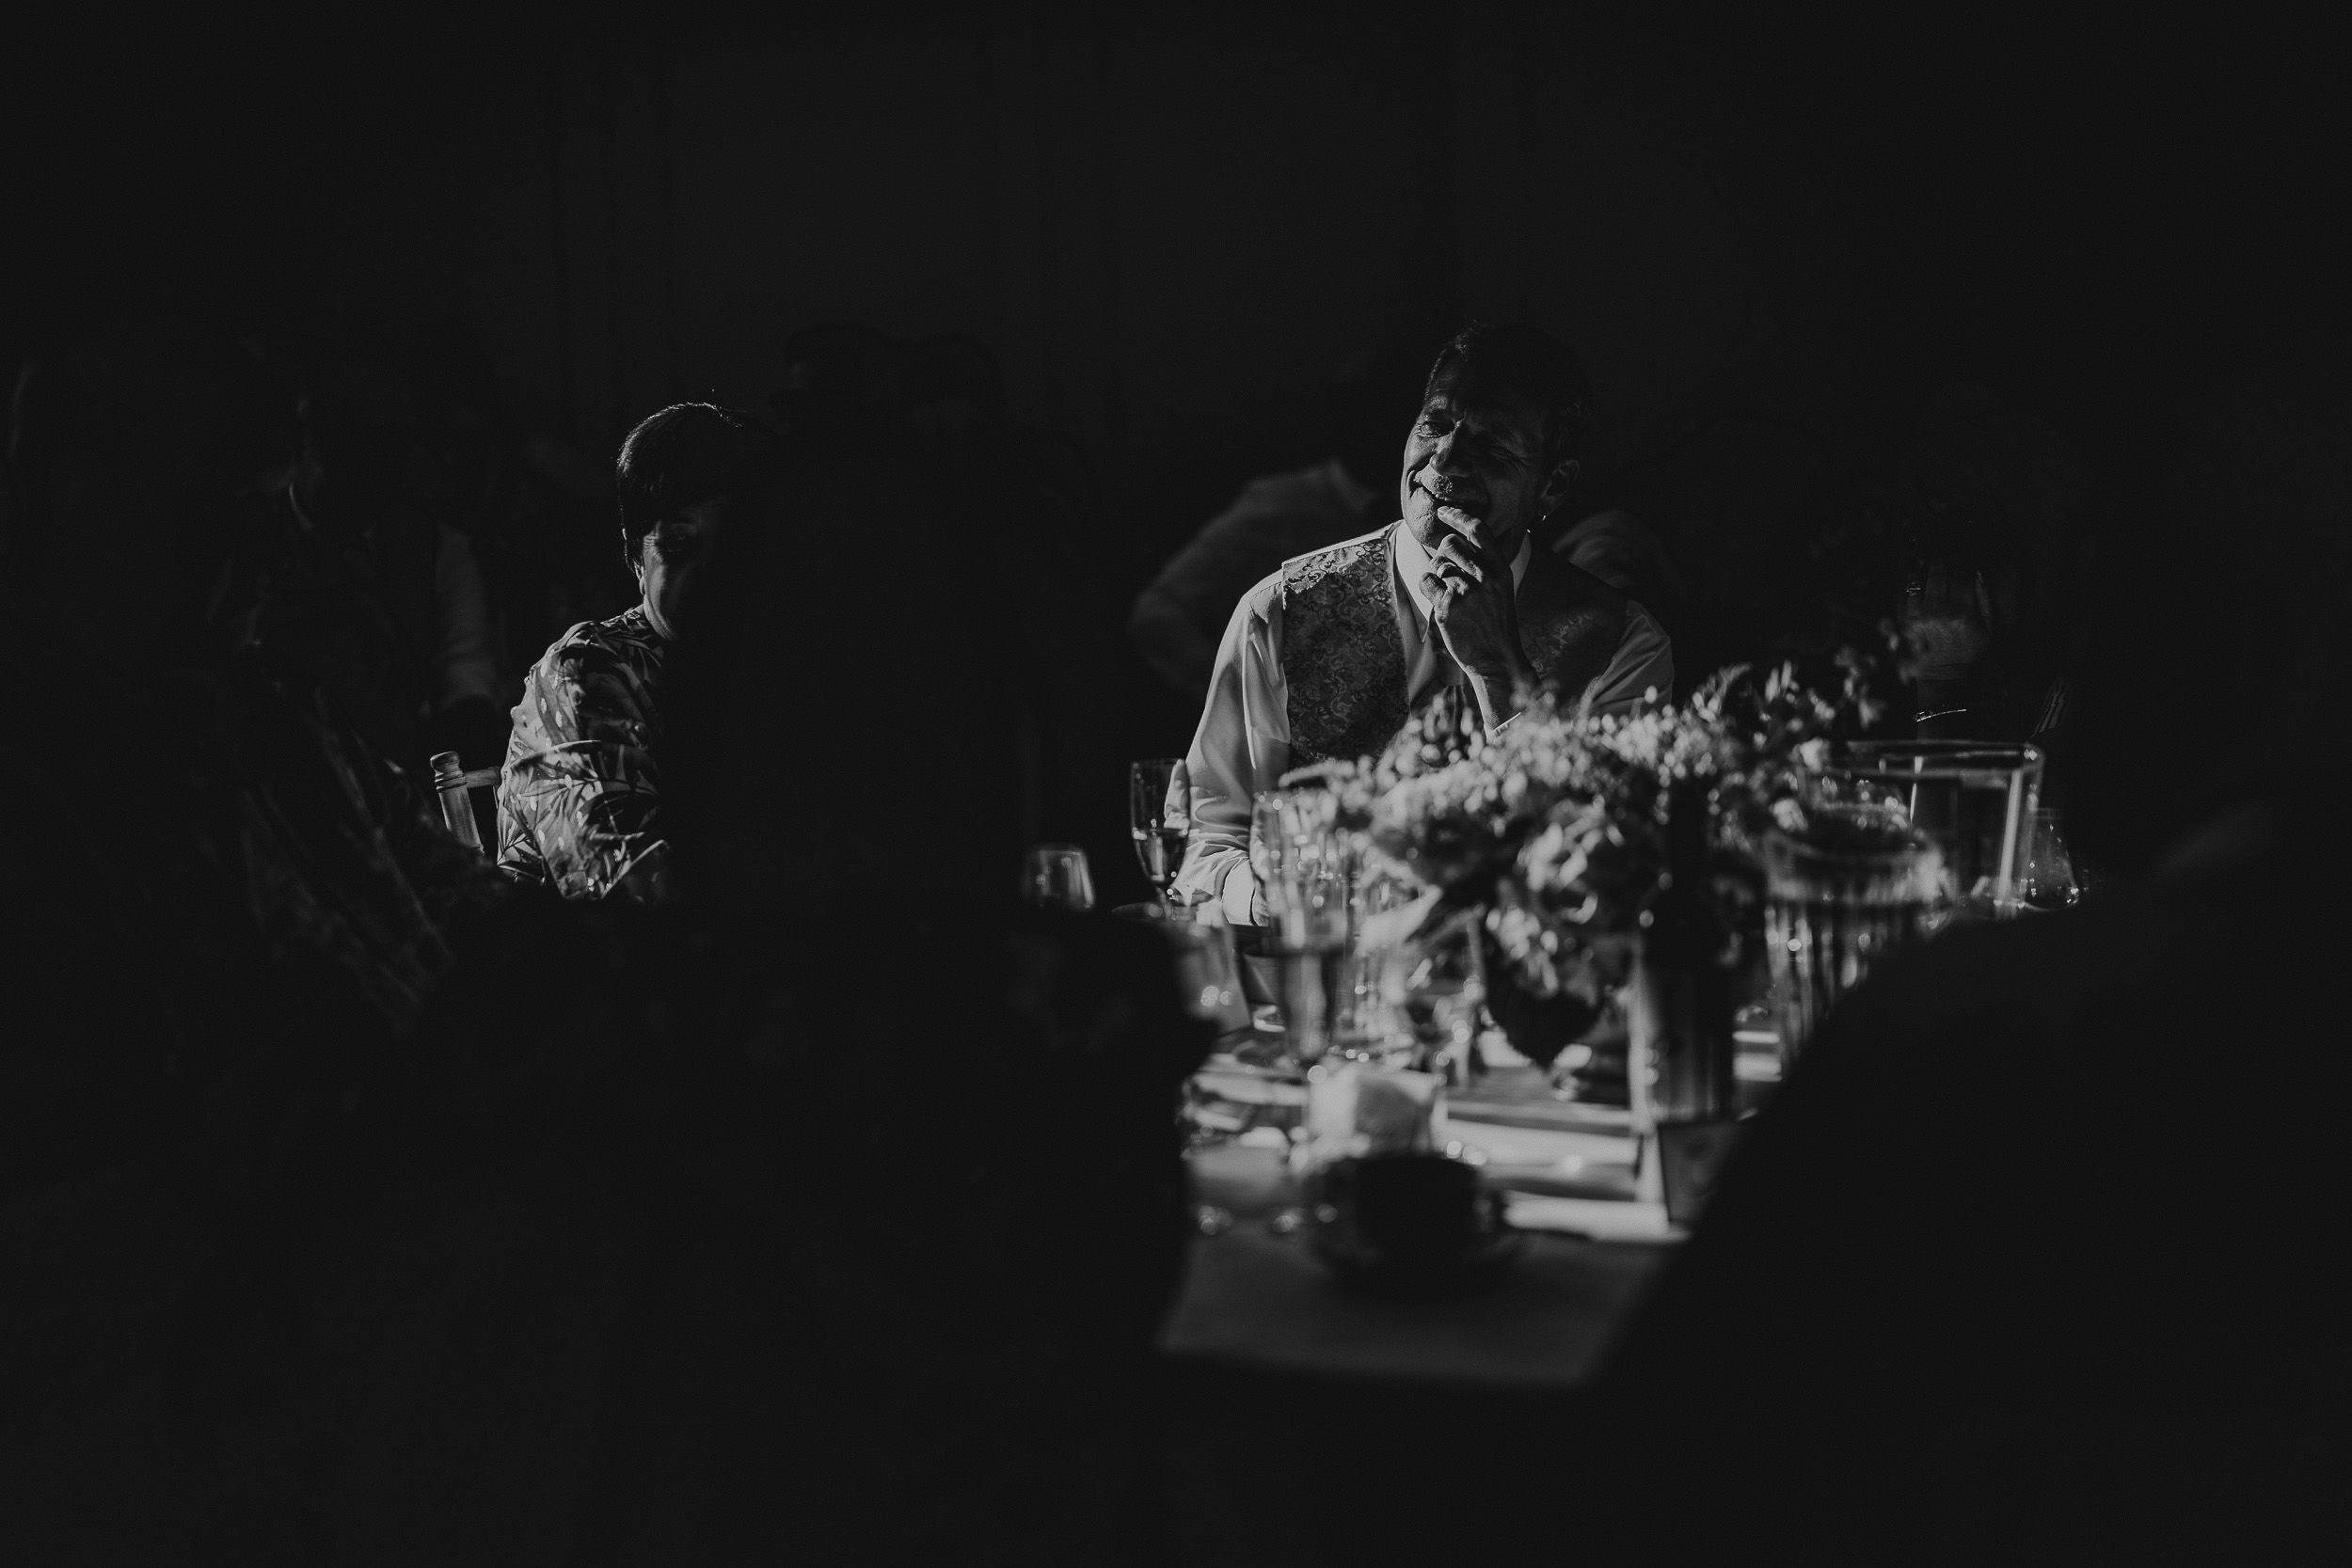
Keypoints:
pixel 579 800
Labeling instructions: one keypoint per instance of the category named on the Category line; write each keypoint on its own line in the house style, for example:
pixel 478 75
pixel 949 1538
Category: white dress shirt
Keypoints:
pixel 1243 745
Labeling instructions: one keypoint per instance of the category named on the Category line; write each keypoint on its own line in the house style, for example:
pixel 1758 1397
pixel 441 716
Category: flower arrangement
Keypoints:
pixel 1555 829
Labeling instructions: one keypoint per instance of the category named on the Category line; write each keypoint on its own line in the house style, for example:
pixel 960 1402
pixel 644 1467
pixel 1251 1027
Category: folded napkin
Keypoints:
pixel 1359 1109
pixel 1594 1218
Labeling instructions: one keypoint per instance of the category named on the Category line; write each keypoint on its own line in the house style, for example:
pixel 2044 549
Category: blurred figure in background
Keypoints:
pixel 367 585
pixel 580 799
pixel 1632 558
pixel 1963 1293
pixel 1729 502
pixel 1996 505
pixel 1370 402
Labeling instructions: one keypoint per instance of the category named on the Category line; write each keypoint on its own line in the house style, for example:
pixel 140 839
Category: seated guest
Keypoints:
pixel 579 802
pixel 1451 612
pixel 1996 501
pixel 1969 1292
pixel 1176 622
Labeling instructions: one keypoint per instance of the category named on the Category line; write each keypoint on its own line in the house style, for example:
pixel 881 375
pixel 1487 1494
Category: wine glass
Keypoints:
pixel 1055 876
pixel 2047 880
pixel 1159 816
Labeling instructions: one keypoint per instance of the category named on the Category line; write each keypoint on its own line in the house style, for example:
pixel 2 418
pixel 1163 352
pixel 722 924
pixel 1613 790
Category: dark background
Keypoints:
pixel 1170 226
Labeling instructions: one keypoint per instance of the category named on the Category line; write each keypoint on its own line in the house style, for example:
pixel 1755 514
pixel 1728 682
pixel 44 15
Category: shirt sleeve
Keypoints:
pixel 1243 746
pixel 580 804
pixel 1645 663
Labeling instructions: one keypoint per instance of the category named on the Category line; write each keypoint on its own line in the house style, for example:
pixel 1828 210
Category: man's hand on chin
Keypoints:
pixel 1474 606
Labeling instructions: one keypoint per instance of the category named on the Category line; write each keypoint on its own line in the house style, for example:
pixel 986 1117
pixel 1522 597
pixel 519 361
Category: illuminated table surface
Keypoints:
pixel 1254 1297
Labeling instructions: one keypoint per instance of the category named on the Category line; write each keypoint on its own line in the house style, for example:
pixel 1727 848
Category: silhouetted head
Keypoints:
pixel 1499 433
pixel 679 474
pixel 839 728
pixel 1997 494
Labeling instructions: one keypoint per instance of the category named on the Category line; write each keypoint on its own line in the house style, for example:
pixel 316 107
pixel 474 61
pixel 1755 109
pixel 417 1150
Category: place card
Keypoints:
pixel 1591 1219
pixel 1358 1109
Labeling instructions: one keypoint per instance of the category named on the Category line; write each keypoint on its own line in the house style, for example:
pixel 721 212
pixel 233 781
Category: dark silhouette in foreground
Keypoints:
pixel 2033 1256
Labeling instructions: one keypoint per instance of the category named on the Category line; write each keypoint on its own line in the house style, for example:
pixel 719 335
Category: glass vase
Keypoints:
pixel 1974 800
pixel 1830 917
pixel 1679 1025
pixel 1679 1007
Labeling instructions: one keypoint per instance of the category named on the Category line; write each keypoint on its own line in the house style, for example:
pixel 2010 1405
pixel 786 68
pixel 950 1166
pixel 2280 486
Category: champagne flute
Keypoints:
pixel 1159 816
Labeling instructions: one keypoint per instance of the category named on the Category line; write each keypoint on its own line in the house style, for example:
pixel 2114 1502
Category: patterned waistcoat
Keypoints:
pixel 1344 659
pixel 1341 655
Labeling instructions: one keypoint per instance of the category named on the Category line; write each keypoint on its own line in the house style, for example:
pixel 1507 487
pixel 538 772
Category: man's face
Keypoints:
pixel 1480 454
pixel 670 553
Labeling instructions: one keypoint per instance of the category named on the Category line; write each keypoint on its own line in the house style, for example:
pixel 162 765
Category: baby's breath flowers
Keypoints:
pixel 1556 827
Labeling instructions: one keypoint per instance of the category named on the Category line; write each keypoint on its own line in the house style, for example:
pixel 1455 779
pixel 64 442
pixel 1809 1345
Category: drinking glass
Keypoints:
pixel 2047 881
pixel 1306 865
pixel 1159 815
pixel 1209 975
pixel 1831 915
pixel 1974 800
pixel 1386 964
pixel 1055 876
pixel 1286 828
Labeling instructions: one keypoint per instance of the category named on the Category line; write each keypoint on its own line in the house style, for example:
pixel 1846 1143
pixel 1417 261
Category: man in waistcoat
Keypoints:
pixel 1450 608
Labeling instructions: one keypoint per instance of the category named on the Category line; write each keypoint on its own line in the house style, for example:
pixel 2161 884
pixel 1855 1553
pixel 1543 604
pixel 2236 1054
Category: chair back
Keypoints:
pixel 455 784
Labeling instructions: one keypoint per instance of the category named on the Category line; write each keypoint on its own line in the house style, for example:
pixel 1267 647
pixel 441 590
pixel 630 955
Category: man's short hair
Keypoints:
pixel 1528 366
pixel 687 453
